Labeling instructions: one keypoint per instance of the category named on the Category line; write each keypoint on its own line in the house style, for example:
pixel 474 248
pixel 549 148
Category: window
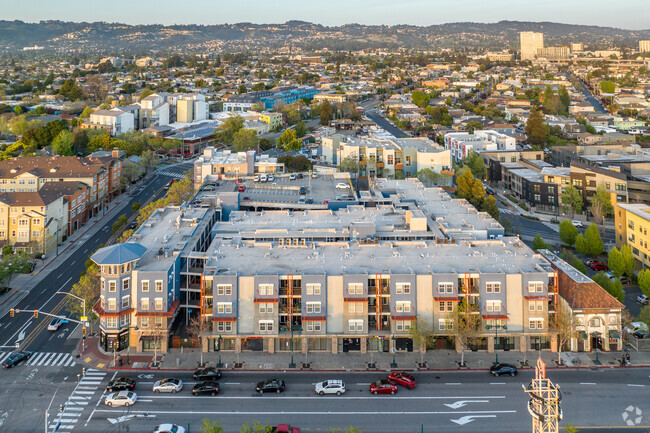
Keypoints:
pixel 313 289
pixel 224 289
pixel 445 324
pixel 313 307
pixel 513 159
pixel 403 288
pixel 355 325
pixel 145 286
pixel 408 160
pixel 355 288
pixel 112 304
pixel 126 302
pixel 389 159
pixel 536 323
pixel 144 322
pixel 310 326
pixel 493 287
pixel 266 308
pixel 402 325
pixel 158 304
pixel 126 284
pixel 111 322
pixel 266 325
pixel 111 286
pixel 535 286
pixel 125 320
pixel 493 306
pixel 159 286
pixel 403 307
pixel 144 304
pixel 36 233
pixel 224 307
pixel 36 221
pixel 594 322
pixel 157 322
pixel 266 289
pixel 445 287
pixel 224 326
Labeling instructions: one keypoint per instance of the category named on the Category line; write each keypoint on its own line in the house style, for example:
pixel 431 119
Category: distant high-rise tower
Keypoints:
pixel 530 43
pixel 644 46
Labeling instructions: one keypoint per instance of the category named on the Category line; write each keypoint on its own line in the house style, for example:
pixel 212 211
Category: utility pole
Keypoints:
pixel 544 403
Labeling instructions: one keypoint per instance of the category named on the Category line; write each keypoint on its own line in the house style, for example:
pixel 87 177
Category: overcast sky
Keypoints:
pixel 628 14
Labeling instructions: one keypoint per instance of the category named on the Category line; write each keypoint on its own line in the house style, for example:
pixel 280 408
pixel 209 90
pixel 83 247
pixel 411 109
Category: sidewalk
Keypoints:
pixel 22 284
pixel 436 360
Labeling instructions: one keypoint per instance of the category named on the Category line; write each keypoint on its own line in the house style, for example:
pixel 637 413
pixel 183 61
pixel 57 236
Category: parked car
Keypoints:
pixel 303 190
pixel 284 428
pixel 56 323
pixel 299 175
pixel 271 178
pixel 382 387
pixel 292 176
pixel 121 384
pixel 503 368
pixel 256 179
pixel 576 223
pixel 169 428
pixel 302 199
pixel 642 299
pixel 403 379
pixel 122 398
pixel 209 373
pixel 342 185
pixel 638 329
pixel 330 386
pixel 208 188
pixel 310 200
pixel 314 175
pixel 264 178
pixel 172 385
pixel 207 387
pixel 241 188
pixel 625 279
pixel 270 385
pixel 598 266
pixel 133 225
pixel 16 358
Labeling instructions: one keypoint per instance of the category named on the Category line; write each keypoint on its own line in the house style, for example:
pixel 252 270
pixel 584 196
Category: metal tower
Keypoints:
pixel 544 403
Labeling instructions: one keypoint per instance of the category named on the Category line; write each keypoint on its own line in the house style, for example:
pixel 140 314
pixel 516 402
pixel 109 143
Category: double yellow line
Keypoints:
pixel 42 324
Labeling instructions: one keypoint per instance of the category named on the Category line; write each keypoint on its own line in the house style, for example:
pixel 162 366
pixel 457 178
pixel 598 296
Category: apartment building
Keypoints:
pixel 115 121
pixel 215 165
pixel 269 98
pixel 191 108
pixel 632 221
pixel 274 120
pixel 154 111
pixel 462 143
pixel 386 157
pixel 644 46
pixel 352 280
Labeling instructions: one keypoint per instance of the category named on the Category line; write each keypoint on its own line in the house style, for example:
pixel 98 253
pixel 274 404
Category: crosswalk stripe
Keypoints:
pixel 63 360
pixel 4 355
pixel 95 373
pixel 55 359
pixel 35 358
pixel 71 359
pixel 46 360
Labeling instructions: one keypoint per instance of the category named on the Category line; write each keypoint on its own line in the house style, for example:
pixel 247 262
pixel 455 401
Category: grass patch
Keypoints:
pixel 523 206
pixel 528 217
pixel 512 199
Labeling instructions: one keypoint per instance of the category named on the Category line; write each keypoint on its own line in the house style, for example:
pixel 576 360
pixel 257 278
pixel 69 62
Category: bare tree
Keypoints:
pixel 96 88
pixel 565 324
pixel 422 332
pixel 465 324
pixel 194 330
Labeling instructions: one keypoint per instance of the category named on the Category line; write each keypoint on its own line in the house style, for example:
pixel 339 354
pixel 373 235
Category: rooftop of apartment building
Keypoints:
pixel 212 156
pixel 48 167
pixel 166 233
pixel 641 210
pixel 556 171
pixel 420 143
pixel 529 174
pixel 248 258
pixel 613 158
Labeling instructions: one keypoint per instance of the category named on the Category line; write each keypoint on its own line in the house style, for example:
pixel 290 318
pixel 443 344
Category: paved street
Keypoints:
pixel 384 124
pixel 471 401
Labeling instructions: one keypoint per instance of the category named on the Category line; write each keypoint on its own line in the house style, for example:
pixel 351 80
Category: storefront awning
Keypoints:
pixel 582 334
pixel 595 334
pixel 614 334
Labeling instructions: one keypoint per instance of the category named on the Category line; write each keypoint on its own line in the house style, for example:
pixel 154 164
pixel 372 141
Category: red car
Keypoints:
pixel 239 180
pixel 284 428
pixel 403 379
pixel 241 188
pixel 598 266
pixel 382 387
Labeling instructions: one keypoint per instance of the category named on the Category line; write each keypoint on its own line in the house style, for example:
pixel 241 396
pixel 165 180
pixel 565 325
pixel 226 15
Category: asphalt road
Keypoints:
pixel 384 124
pixel 590 97
pixel 31 332
pixel 442 402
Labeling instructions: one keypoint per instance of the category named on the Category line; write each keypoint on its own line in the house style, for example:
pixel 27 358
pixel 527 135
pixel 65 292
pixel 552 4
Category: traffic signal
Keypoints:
pixel 11 312
pixel 83 331
pixel 35 314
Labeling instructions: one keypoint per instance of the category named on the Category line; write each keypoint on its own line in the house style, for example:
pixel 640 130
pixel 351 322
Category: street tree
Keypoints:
pixel 465 322
pixel 470 188
pixel 644 281
pixel 210 427
pixel 571 200
pixel 613 287
pixel 593 241
pixel 226 131
pixel 256 428
pixel 536 130
pixel 88 289
pixel 601 204
pixel 288 141
pixel 574 261
pixel 475 164
pixel 420 98
pixel 245 139
pixel 607 87
pixel 422 333
pixel 473 125
pixel 568 232
pixel 194 330
pixel 326 113
pixel 628 260
pixel 615 262
pixel 489 205
pixel 349 165
pixel 538 243
pixel 301 129
pixel 565 324
pixel 62 144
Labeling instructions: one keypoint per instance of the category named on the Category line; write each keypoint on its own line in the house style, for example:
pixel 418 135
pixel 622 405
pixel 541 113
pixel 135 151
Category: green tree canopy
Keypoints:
pixel 85 114
pixel 62 144
pixel 288 141
pixel 568 232
pixel 70 90
pixel 349 165
pixel 571 200
pixel 326 113
pixel 613 287
pixel 607 86
pixel 538 243
pixel 473 125
pixel 536 130
pixel 644 281
pixel 226 131
pixel 420 98
pixel 615 262
pixel 475 164
pixel 594 242
pixel 245 139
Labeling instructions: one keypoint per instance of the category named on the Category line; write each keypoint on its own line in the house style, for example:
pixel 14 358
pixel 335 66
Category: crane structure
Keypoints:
pixel 544 403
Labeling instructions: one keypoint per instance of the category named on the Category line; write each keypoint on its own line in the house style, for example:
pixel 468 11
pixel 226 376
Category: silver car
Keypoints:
pixel 172 385
pixel 330 386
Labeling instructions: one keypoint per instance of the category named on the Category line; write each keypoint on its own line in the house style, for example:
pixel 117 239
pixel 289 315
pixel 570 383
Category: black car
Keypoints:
pixel 16 358
pixel 500 369
pixel 133 225
pixel 208 387
pixel 270 385
pixel 121 384
pixel 209 373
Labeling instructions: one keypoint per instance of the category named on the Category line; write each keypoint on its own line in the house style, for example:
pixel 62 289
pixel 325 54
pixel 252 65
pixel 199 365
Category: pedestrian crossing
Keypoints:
pixel 46 359
pixel 73 408
pixel 173 174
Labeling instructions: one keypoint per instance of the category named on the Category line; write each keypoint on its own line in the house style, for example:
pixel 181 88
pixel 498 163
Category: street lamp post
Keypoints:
pixel 496 339
pixel 83 304
pixel 292 328
pixel 219 364
pixel 394 364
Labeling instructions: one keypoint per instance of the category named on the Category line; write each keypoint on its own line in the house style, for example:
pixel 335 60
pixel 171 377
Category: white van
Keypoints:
pixel 264 178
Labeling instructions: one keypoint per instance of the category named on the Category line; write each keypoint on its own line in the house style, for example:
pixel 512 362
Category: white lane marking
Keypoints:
pixel 85 392
pixel 363 383
pixel 194 412
pixel 232 383
pixel 29 322
pixel 635 384
pixel 452 383
pixel 497 383
pixel 46 358
pixel 587 383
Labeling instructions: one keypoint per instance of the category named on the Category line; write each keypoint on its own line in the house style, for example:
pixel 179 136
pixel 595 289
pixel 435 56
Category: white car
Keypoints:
pixel 271 178
pixel 642 299
pixel 576 223
pixel 342 185
pixel 255 179
pixel 292 176
pixel 330 386
pixel 122 398
pixel 168 428
pixel 172 385
pixel 56 323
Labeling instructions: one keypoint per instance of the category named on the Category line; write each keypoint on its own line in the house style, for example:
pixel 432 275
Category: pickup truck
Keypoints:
pixel 284 428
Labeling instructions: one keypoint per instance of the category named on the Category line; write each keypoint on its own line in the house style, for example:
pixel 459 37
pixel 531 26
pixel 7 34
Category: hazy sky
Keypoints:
pixel 629 14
